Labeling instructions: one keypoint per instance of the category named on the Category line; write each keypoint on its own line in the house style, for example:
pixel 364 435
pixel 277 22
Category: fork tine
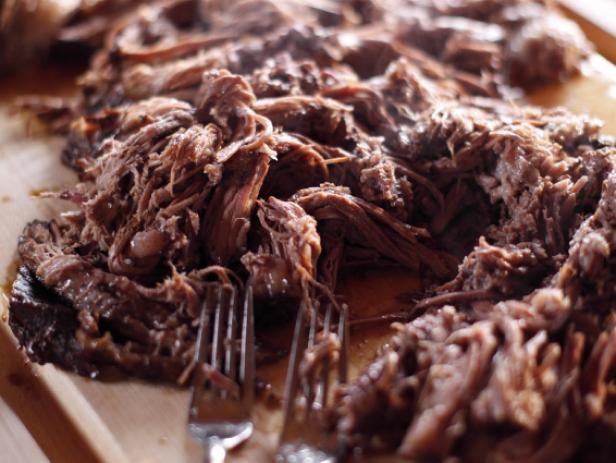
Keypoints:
pixel 220 415
pixel 207 314
pixel 308 437
pixel 230 339
pixel 219 312
pixel 203 345
pixel 229 342
pixel 291 384
pixel 324 382
pixel 309 390
pixel 247 355
pixel 314 319
pixel 343 336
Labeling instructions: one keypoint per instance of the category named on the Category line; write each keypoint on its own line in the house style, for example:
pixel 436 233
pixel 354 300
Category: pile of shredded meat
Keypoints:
pixel 247 145
pixel 32 31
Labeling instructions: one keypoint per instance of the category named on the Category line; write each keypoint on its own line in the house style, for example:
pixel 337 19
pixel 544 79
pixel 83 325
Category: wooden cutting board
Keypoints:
pixel 74 419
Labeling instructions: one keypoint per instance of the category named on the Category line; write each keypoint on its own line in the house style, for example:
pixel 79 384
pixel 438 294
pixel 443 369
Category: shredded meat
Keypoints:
pixel 283 143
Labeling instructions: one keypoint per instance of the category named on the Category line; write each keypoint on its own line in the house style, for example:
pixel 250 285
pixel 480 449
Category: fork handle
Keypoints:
pixel 214 451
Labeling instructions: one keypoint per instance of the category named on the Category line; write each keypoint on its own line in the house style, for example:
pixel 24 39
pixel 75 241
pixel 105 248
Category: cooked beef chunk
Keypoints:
pixel 247 145
pixel 536 370
pixel 470 46
pixel 144 331
pixel 370 226
pixel 445 383
pixel 45 325
pixel 284 264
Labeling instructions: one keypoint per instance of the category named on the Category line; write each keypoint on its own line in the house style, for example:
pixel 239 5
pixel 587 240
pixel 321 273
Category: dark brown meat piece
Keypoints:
pixel 110 319
pixel 372 227
pixel 285 262
pixel 555 45
pixel 501 364
pixel 478 45
pixel 45 325
pixel 446 382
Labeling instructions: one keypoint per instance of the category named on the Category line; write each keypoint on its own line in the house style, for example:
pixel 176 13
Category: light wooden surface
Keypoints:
pixel 16 443
pixel 598 20
pixel 593 93
pixel 74 419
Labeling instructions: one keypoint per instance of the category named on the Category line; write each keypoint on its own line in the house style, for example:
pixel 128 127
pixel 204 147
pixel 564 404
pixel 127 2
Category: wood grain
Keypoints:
pixel 74 419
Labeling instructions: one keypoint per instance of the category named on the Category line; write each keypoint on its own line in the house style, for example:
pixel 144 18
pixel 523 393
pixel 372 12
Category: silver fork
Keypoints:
pixel 304 436
pixel 220 413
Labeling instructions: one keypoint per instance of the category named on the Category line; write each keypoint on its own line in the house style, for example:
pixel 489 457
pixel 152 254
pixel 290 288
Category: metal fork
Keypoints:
pixel 304 436
pixel 220 413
